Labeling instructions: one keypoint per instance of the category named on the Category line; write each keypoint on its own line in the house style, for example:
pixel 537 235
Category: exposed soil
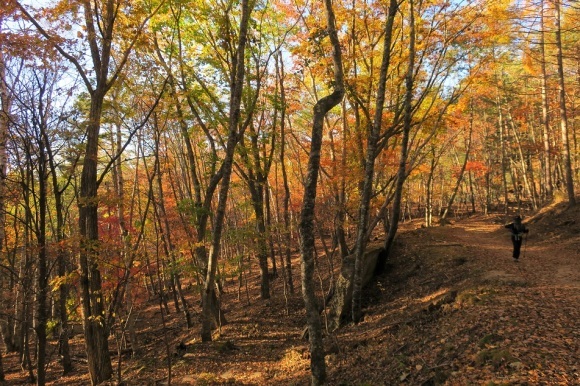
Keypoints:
pixel 452 308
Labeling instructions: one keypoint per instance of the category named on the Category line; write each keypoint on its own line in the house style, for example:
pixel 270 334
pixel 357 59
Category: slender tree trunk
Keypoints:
pixel 119 184
pixel 371 154
pixel 461 172
pixel 256 192
pixel 566 159
pixel 286 200
pixel 317 364
pixel 233 138
pixel 166 237
pixel 407 120
pixel 471 192
pixel 1 368
pixel 522 160
pixel 63 291
pixel 41 315
pixel 503 156
pixel 547 158
pixel 269 232
pixel 340 194
pixel 429 190
pixel 25 313
pixel 5 325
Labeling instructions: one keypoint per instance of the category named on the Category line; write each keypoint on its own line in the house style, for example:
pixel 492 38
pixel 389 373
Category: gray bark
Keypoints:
pixel 234 136
pixel 569 178
pixel 5 330
pixel 461 172
pixel 407 120
pixel 286 200
pixel 547 158
pixel 307 231
pixel 371 154
pixel 340 303
pixel 41 314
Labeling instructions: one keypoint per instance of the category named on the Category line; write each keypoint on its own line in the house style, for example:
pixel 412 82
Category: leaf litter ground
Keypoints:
pixel 451 309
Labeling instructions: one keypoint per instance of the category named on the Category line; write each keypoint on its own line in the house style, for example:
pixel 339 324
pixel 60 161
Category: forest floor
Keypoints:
pixel 452 309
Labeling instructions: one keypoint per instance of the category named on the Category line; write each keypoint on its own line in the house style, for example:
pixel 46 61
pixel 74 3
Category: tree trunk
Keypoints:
pixel 429 189
pixel 340 195
pixel 547 157
pixel 1 368
pixel 256 192
pixel 5 325
pixel 317 364
pixel 503 156
pixel 462 171
pixel 24 312
pixel 407 120
pixel 41 315
pixel 270 234
pixel 563 113
pixel 234 136
pixel 522 160
pixel 286 199
pixel 340 304
pixel 166 237
pixel 371 154
pixel 92 300
pixel 63 291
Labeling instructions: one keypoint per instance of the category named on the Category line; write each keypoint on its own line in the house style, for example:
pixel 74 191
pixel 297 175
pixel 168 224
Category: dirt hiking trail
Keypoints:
pixel 462 312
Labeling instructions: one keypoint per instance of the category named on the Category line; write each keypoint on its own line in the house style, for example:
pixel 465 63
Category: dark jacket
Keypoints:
pixel 517 229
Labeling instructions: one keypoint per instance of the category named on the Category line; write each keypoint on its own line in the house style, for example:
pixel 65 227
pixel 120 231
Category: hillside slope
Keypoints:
pixel 452 308
pixel 457 310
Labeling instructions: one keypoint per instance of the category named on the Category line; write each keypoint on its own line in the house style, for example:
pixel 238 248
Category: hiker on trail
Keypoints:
pixel 517 229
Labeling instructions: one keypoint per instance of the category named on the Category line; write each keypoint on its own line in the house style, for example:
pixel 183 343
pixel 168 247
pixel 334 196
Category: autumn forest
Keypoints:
pixel 153 151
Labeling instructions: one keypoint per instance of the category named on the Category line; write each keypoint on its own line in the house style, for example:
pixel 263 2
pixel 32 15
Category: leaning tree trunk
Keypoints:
pixel 317 364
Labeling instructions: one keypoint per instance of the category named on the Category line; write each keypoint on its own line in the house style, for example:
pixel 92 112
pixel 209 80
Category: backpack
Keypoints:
pixel 518 230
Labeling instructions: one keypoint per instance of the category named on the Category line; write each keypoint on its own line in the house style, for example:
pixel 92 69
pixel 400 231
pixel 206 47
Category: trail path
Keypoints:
pixel 542 264
pixel 535 312
pixel 455 309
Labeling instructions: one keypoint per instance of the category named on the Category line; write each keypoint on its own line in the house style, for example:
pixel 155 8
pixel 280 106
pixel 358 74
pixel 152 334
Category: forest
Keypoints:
pixel 163 162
